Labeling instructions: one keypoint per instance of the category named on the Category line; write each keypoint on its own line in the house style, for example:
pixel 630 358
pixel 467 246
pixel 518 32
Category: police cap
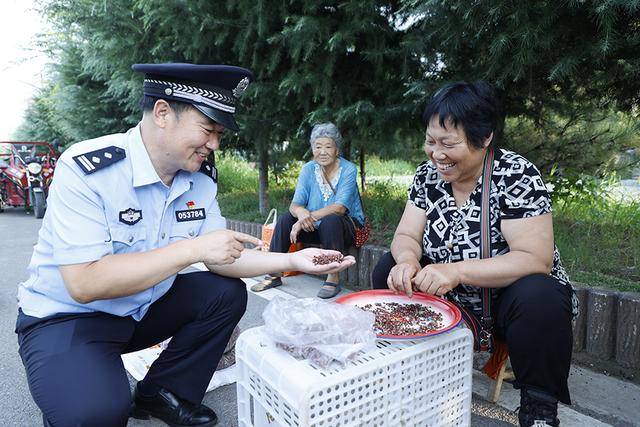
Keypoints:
pixel 213 89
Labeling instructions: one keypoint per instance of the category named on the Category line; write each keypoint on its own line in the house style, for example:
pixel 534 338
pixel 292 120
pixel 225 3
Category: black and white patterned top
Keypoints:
pixel 452 233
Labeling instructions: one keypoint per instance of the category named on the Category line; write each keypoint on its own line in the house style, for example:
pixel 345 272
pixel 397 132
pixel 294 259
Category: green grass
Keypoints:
pixel 375 166
pixel 597 236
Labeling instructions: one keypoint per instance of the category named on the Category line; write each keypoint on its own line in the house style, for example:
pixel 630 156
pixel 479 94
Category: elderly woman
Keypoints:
pixel 325 208
pixel 436 246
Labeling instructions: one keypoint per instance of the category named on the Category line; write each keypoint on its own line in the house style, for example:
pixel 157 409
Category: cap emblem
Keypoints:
pixel 242 86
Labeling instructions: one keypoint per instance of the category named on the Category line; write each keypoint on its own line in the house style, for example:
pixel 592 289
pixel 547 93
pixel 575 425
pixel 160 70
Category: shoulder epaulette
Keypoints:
pixel 99 159
pixel 209 170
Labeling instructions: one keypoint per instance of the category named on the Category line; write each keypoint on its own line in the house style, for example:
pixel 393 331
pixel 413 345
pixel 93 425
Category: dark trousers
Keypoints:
pixel 73 364
pixel 533 316
pixel 335 232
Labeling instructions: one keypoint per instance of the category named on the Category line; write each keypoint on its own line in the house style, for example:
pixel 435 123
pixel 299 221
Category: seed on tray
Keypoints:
pixel 327 259
pixel 393 318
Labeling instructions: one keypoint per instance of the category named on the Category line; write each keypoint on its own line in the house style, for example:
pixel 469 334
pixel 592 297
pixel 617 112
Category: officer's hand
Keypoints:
pixel 303 261
pixel 223 246
pixel 399 279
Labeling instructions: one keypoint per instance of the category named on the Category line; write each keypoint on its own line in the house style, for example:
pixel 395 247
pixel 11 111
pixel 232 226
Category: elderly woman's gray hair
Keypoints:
pixel 325 130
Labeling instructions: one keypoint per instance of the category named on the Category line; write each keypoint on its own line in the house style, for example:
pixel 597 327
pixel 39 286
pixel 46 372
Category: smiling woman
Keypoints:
pixel 458 162
pixel 477 229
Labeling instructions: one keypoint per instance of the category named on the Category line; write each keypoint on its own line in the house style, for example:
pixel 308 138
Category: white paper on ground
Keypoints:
pixel 138 363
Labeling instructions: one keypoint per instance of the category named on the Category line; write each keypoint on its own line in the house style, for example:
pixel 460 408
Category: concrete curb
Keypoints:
pixel 607 328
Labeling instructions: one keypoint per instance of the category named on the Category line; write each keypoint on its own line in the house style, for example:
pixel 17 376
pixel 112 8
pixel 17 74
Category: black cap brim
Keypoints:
pixel 220 117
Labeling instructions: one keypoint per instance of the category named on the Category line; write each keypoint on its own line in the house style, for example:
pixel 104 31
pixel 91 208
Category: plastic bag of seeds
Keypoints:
pixel 317 330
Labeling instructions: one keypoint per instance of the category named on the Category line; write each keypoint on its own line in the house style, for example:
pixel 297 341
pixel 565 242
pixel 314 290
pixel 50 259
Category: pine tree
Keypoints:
pixel 325 61
pixel 564 68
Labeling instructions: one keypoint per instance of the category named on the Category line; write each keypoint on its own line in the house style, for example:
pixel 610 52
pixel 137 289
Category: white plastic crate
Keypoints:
pixel 400 383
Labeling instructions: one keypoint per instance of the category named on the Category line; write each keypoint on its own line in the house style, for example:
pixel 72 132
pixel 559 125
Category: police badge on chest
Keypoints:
pixel 130 216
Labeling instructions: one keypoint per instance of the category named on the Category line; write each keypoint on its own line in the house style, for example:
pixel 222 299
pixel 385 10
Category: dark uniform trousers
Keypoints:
pixel 73 364
pixel 533 316
pixel 335 232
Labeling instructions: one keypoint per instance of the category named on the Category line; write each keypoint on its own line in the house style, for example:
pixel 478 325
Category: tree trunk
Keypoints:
pixel 263 178
pixel 362 172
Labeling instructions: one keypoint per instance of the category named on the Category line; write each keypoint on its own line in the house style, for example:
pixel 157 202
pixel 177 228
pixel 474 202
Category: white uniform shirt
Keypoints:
pixel 122 208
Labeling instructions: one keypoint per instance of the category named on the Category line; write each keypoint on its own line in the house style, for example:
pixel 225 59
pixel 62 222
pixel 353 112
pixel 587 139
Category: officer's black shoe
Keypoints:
pixel 537 408
pixel 174 411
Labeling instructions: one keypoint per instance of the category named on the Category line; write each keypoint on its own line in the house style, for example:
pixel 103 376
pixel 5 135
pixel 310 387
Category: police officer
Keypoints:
pixel 126 213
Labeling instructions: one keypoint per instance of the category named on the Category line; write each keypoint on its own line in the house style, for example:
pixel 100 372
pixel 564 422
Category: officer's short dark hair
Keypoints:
pixel 147 102
pixel 473 106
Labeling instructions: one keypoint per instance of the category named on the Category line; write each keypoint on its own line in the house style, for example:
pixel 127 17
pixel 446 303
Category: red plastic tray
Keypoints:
pixel 451 315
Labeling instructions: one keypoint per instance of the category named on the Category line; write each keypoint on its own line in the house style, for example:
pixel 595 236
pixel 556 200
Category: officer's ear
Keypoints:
pixel 161 111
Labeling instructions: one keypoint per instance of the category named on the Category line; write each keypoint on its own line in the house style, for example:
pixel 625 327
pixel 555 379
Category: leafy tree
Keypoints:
pixel 562 66
pixel 568 70
pixel 324 61
pixel 41 123
pixel 96 90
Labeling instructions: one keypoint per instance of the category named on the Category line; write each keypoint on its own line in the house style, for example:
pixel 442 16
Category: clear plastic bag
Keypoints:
pixel 318 330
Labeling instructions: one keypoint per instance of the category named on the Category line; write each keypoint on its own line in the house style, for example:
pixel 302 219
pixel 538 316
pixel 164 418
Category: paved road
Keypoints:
pixel 18 234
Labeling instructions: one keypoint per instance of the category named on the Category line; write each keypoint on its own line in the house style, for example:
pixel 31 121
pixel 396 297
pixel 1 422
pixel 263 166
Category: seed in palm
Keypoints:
pixel 327 259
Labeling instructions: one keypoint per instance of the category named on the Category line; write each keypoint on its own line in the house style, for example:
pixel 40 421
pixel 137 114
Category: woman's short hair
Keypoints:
pixel 326 130
pixel 474 106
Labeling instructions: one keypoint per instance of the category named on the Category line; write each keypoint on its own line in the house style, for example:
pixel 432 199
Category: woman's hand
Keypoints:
pixel 306 220
pixel 303 261
pixel 437 279
pixel 399 279
pixel 307 223
pixel 295 230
